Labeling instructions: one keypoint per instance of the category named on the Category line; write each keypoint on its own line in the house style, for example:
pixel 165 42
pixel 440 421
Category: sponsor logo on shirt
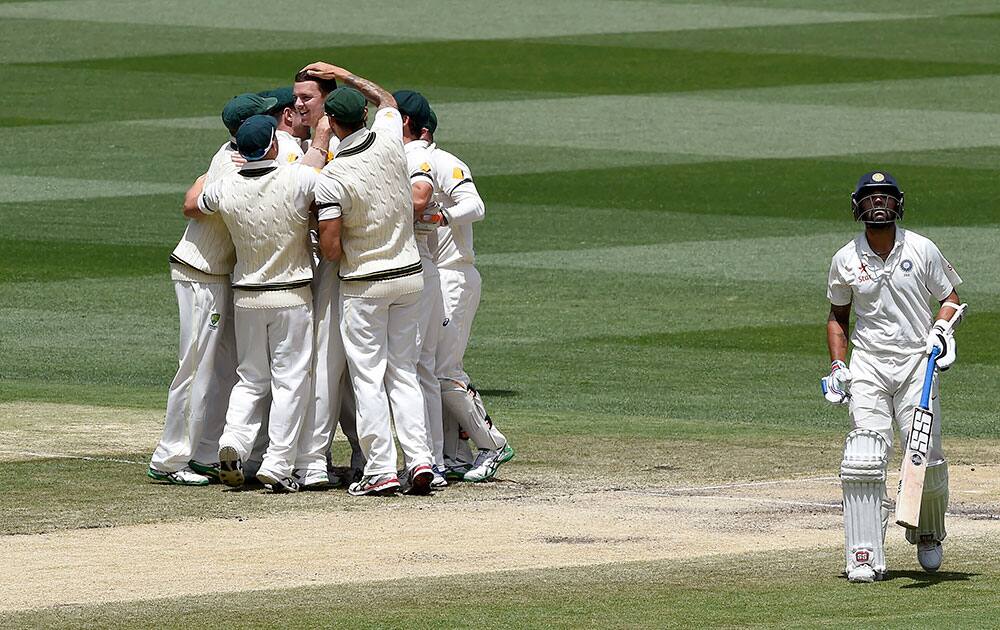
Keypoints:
pixel 865 275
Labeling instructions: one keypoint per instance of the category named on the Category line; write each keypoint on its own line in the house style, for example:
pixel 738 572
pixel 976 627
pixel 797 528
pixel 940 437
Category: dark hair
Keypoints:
pixel 414 126
pixel 352 126
pixel 325 85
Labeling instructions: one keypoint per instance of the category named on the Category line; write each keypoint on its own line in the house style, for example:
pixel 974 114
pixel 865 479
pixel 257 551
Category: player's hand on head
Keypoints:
pixel 837 385
pixel 943 339
pixel 322 70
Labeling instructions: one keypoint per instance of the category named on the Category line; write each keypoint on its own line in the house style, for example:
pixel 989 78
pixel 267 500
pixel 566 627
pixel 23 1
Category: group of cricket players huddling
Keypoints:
pixel 326 276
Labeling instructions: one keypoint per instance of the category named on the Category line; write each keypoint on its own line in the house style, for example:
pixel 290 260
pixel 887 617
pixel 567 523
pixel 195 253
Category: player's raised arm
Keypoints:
pixel 375 93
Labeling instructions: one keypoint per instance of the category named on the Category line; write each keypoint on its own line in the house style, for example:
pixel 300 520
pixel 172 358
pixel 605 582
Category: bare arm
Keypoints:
pixel 946 312
pixel 422 192
pixel 329 239
pixel 320 147
pixel 191 209
pixel 372 91
pixel 836 331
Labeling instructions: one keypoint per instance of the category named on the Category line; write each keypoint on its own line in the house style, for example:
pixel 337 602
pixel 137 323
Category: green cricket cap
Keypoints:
pixel 255 135
pixel 414 105
pixel 241 107
pixel 346 105
pixel 284 95
pixel 432 122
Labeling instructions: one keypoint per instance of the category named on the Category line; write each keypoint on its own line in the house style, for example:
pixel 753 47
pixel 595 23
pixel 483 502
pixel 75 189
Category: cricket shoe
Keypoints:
pixel 183 477
pixel 209 470
pixel 420 480
pixel 439 480
pixel 230 467
pixel 930 554
pixel 276 484
pixel 376 485
pixel 312 479
pixel 488 463
pixel 861 574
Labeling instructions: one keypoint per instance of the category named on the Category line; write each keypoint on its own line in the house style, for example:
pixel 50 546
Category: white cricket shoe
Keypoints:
pixel 183 477
pixel 862 573
pixel 488 463
pixel 930 554
pixel 312 479
pixel 439 481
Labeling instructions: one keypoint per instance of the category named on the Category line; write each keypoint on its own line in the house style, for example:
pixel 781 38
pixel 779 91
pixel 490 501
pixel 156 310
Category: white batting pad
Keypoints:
pixel 866 510
pixel 464 406
pixel 933 505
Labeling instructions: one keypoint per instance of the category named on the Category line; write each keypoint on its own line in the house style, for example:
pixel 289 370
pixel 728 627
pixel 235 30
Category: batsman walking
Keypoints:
pixel 889 277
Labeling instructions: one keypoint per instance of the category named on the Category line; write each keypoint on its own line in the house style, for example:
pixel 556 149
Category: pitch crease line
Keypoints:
pixel 749 484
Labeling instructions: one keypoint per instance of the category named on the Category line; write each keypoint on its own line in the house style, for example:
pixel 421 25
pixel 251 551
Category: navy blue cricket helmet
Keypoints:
pixel 877 199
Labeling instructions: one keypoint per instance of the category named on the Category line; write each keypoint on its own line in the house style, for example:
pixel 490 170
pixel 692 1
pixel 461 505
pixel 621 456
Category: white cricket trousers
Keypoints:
pixel 380 339
pixel 429 331
pixel 885 390
pixel 460 291
pixel 275 347
pixel 206 373
pixel 330 366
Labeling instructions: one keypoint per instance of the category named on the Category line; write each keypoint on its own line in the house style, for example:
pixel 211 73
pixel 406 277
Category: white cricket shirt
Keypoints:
pixel 895 300
pixel 461 205
pixel 289 147
pixel 418 162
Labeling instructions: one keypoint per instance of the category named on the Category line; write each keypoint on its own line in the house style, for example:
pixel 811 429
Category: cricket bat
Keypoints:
pixel 911 473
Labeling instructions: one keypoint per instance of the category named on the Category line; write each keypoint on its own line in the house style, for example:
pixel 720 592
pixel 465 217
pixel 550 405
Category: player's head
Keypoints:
pixel 310 92
pixel 415 110
pixel 877 200
pixel 255 138
pixel 347 109
pixel 284 112
pixel 430 127
pixel 239 108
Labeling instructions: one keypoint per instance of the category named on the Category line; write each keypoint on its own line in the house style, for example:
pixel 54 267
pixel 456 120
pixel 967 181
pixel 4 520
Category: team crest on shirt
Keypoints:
pixel 906 265
pixel 213 320
pixel 458 173
pixel 425 167
pixel 292 157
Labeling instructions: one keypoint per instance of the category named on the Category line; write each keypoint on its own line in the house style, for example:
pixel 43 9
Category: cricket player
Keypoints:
pixel 365 205
pixel 200 267
pixel 292 129
pixel 266 210
pixel 416 114
pixel 333 401
pixel 890 278
pixel 462 406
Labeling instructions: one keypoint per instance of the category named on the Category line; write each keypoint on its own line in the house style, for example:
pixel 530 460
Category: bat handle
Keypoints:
pixel 925 395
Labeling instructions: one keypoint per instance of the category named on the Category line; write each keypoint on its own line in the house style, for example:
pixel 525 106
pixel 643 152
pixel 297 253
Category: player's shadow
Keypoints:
pixel 497 393
pixel 922 579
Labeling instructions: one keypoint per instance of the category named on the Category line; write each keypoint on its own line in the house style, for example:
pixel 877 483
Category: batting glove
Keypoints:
pixel 942 338
pixel 836 386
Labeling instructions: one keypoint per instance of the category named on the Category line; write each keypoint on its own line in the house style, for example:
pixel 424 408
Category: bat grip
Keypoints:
pixel 925 395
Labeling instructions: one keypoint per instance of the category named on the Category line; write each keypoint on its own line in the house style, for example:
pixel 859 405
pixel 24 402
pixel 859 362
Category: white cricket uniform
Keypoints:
pixel 289 147
pixel 206 359
pixel 330 403
pixel 455 258
pixel 892 303
pixel 418 161
pixel 266 208
pixel 461 284
pixel 367 185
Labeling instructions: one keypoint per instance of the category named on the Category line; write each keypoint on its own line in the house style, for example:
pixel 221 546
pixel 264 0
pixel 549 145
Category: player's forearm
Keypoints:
pixel 319 148
pixel 421 193
pixel 836 333
pixel 947 311
pixel 468 209
pixel 191 209
pixel 372 91
pixel 329 239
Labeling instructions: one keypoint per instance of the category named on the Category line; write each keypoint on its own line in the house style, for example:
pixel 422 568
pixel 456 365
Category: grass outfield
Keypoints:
pixel 665 185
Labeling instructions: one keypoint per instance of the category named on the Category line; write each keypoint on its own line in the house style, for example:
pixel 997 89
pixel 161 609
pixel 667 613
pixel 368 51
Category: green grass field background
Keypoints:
pixel 665 185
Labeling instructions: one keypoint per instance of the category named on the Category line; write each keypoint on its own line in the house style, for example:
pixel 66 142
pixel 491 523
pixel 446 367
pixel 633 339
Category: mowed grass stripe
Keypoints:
pixel 24 40
pixel 23 188
pixel 920 37
pixel 545 67
pixel 450 18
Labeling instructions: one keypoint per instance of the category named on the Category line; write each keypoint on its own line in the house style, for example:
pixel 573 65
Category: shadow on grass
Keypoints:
pixel 498 393
pixel 922 579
